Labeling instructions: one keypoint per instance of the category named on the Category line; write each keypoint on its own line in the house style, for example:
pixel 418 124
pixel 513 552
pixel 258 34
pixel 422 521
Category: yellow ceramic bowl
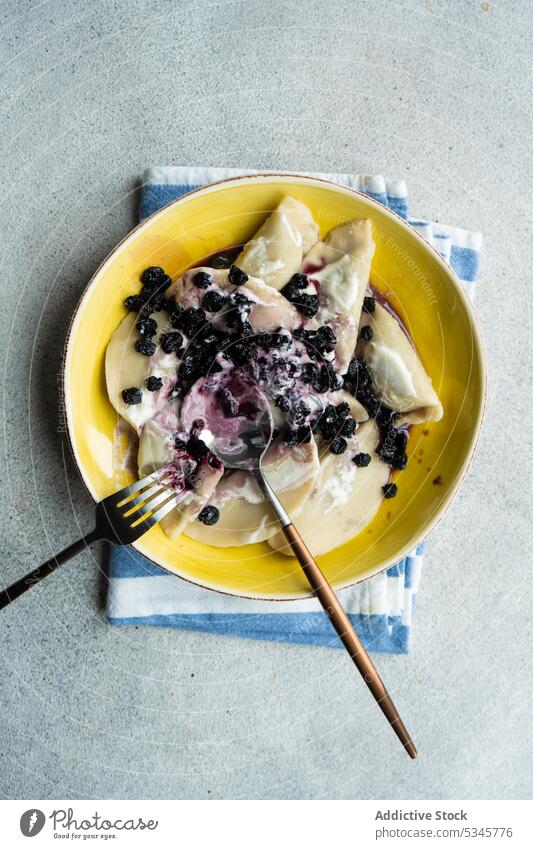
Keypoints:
pixel 422 288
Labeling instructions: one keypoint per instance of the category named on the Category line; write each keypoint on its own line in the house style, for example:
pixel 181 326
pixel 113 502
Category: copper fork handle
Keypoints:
pixel 347 635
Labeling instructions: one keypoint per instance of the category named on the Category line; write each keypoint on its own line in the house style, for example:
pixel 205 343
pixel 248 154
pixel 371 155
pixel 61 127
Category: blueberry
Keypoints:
pixel 367 333
pixel 152 276
pixel 299 281
pixel 369 304
pixel 390 490
pixel 279 341
pixel 348 428
pixel 193 321
pixel 300 412
pixel 362 460
pixel 358 371
pixel 399 461
pixel 133 303
pixel 386 418
pixel 171 342
pixel 291 438
pixel 168 304
pixel 133 395
pixel 338 445
pixel 153 383
pixel 310 373
pixel 202 280
pixel 213 301
pixel 197 448
pixel 209 515
pixel 145 346
pixel 307 305
pixel 304 303
pixel 321 383
pixel 326 337
pixel 283 403
pixel 329 430
pixel 240 301
pixel 329 414
pixel 241 354
pixel 237 277
pixel 370 403
pixel 147 327
pixel 188 369
pixel 342 410
pixel 152 303
pixel 304 434
pixel 386 452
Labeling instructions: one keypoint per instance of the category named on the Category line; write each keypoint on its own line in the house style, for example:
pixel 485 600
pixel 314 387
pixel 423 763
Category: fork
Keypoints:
pixel 121 518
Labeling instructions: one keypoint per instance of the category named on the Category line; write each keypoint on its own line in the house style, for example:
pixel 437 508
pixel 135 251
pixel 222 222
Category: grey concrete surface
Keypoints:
pixel 93 92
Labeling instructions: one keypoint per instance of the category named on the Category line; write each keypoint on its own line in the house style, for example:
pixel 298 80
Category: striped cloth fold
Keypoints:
pixel 381 608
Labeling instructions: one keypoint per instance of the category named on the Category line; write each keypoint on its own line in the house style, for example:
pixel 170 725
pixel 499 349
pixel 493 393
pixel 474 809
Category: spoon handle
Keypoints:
pixel 338 618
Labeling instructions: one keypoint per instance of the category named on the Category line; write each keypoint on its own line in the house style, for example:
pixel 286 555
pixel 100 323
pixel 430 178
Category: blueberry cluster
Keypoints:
pixel 151 298
pixel 334 425
pixel 304 302
pixel 393 440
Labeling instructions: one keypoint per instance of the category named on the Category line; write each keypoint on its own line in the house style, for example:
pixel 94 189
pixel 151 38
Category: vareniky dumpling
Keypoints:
pixel 125 368
pixel 276 251
pixel 399 378
pixel 156 451
pixel 344 498
pixel 245 516
pixel 340 265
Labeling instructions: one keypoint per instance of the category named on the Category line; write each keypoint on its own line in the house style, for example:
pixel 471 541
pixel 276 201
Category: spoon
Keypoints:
pixel 244 447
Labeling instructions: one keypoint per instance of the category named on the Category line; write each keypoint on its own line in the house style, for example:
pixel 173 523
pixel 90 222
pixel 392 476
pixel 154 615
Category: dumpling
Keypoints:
pixel 245 517
pixel 340 265
pixel 275 252
pixel 344 498
pixel 125 368
pixel 399 377
pixel 157 439
pixel 207 478
pixel 156 450
pixel 353 238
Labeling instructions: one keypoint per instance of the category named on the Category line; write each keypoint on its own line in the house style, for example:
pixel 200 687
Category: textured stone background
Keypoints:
pixel 92 92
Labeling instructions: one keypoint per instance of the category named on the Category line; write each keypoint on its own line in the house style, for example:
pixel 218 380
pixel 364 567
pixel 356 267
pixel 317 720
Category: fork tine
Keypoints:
pixel 144 505
pixel 151 520
pixel 127 492
pixel 145 495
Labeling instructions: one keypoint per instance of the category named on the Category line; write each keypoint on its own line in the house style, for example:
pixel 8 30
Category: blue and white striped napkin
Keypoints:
pixel 380 608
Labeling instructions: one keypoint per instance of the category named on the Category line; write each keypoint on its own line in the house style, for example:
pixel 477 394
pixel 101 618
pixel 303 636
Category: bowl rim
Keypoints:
pixel 274 176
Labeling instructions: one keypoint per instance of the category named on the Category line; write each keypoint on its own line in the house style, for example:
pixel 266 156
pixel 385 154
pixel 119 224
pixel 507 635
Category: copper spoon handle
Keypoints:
pixel 339 619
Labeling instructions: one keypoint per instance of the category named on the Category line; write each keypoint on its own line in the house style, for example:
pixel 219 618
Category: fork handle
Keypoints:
pixel 338 617
pixel 347 635
pixel 24 584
